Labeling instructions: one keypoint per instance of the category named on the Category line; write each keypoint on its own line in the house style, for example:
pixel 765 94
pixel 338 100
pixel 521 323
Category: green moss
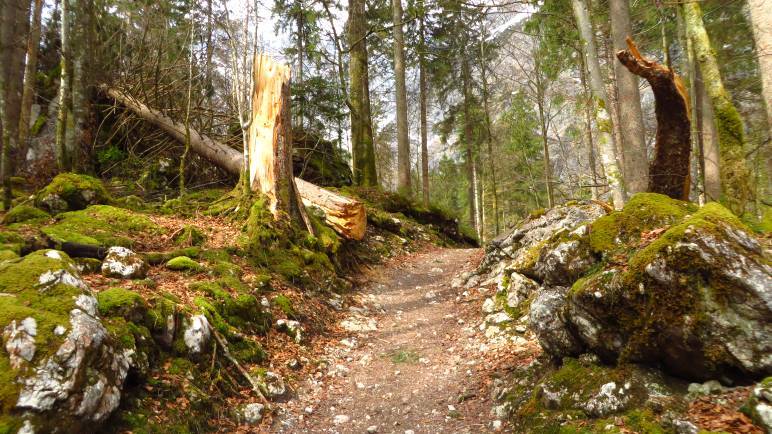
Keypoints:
pixel 6 255
pixel 101 225
pixel 23 213
pixel 325 239
pixel 180 366
pixel 248 351
pixel 285 304
pixel 162 307
pixel 132 202
pixel 155 258
pixel 183 263
pixel 644 211
pixel 193 202
pixel 74 192
pixel 226 268
pixel 189 236
pixel 88 265
pixel 122 302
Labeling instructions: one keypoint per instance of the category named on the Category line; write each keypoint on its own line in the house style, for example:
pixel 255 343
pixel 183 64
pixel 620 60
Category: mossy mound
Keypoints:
pixel 101 225
pixel 122 302
pixel 71 192
pixel 189 236
pixel 319 161
pixel 583 396
pixel 234 304
pixel 193 202
pixel 183 263
pixel 24 213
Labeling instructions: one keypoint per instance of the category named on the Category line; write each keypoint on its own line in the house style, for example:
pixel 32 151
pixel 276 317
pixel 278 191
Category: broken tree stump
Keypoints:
pixel 669 170
pixel 347 216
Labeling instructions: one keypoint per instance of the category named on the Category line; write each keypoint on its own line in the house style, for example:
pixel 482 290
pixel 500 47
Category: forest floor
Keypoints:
pixel 416 364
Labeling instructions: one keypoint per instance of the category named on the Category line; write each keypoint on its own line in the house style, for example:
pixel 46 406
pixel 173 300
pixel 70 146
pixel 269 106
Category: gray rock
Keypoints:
pixel 197 334
pixel 563 263
pixel 519 289
pixel 253 413
pixel 548 322
pixel 489 306
pixel 123 263
pixel 292 328
pixel 20 341
pixel 611 398
pixel 272 385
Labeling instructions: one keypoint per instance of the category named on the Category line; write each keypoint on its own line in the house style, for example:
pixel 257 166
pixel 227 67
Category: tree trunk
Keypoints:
pixel 63 157
pixel 669 171
pixel 362 152
pixel 710 151
pixel 588 130
pixel 403 141
pixel 545 143
pixel 605 144
pixel 13 43
pixel 30 77
pixel 345 215
pixel 735 176
pixel 423 90
pixel 470 166
pixel 761 18
pixel 629 103
pixel 270 140
pixel 489 137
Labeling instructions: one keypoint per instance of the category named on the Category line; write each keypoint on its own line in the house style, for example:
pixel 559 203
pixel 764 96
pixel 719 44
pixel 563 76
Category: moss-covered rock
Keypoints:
pixel 684 287
pixel 6 255
pixel 71 192
pixel 189 236
pixel 101 225
pixel 24 213
pixel 183 263
pixel 122 302
pixel 60 355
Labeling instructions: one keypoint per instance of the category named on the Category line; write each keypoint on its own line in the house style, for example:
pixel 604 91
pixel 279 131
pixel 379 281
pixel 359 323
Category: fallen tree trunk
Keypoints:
pixel 232 161
pixel 669 170
pixel 347 216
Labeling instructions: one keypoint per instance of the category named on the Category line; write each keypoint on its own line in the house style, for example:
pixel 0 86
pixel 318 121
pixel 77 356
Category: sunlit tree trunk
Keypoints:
pixel 605 144
pixel 489 137
pixel 403 142
pixel 63 157
pixel 629 104
pixel 735 176
pixel 587 130
pixel 761 18
pixel 709 144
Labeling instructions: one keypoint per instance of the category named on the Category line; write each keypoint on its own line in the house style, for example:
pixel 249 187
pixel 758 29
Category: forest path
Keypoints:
pixel 419 371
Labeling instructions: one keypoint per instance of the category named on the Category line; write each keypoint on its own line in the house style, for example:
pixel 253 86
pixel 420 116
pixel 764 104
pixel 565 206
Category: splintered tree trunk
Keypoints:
pixel 345 215
pixel 669 171
pixel 270 140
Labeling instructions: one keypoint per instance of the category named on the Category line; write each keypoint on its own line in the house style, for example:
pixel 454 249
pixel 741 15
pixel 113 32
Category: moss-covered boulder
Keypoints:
pixel 101 225
pixel 124 263
pixel 189 236
pixel 183 263
pixel 71 192
pixel 682 287
pixel 23 213
pixel 759 405
pixel 62 369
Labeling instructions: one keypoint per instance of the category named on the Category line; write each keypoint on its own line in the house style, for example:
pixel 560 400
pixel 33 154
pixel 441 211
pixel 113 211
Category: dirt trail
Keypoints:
pixel 419 371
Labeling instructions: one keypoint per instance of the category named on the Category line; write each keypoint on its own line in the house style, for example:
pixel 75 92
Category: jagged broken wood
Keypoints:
pixel 669 170
pixel 345 215
pixel 232 161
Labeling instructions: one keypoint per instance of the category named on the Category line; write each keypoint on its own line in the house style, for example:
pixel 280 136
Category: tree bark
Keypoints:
pixel 63 157
pixel 403 141
pixel 588 130
pixel 13 43
pixel 669 171
pixel 629 104
pixel 709 146
pixel 423 90
pixel 489 137
pixel 540 97
pixel 470 166
pixel 30 77
pixel 605 144
pixel 761 19
pixel 735 176
pixel 362 152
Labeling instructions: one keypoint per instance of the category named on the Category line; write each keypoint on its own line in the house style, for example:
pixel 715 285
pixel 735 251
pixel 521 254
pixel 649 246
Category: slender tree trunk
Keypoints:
pixel 300 48
pixel 735 176
pixel 63 157
pixel 470 166
pixel 545 143
pixel 709 144
pixel 363 156
pixel 403 141
pixel 629 103
pixel 30 76
pixel 423 90
pixel 761 18
pixel 489 137
pixel 605 144
pixel 588 130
